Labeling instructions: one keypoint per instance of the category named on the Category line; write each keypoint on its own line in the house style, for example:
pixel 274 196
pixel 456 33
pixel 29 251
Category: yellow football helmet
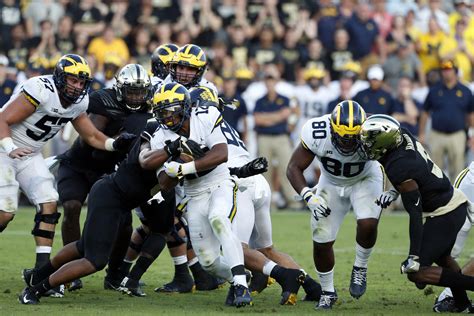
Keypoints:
pixel 160 59
pixel 72 65
pixel 191 56
pixel 171 106
pixel 346 120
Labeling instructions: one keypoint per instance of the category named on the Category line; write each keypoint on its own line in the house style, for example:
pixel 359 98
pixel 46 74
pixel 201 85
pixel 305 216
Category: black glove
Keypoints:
pixel 173 148
pixel 192 148
pixel 257 166
pixel 123 142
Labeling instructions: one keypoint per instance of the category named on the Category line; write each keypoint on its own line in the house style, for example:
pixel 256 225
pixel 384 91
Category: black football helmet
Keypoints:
pixel 72 65
pixel 160 59
pixel 346 120
pixel 171 106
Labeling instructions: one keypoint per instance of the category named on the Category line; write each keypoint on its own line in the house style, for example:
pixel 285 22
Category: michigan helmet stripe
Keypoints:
pixel 188 48
pixel 76 68
pixel 169 95
pixel 338 116
pixel 351 114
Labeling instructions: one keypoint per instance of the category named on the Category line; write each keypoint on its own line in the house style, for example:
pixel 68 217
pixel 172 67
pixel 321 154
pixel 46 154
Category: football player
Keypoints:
pixel 252 222
pixel 160 59
pixel 110 201
pixel 426 193
pixel 207 184
pixel 348 181
pixel 42 107
pixel 112 110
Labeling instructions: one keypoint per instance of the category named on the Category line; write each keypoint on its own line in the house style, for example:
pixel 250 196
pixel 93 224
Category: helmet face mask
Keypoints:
pixel 379 134
pixel 133 87
pixel 188 65
pixel 72 77
pixel 346 120
pixel 171 106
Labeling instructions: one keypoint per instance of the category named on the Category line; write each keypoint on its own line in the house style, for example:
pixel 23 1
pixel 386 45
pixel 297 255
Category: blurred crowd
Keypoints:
pixel 392 56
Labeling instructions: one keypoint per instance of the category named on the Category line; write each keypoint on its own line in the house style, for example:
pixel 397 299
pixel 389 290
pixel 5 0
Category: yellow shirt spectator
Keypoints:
pixel 106 44
pixel 428 50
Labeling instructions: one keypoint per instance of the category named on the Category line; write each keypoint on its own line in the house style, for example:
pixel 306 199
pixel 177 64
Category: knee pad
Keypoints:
pixel 136 247
pixel 48 219
pixel 178 240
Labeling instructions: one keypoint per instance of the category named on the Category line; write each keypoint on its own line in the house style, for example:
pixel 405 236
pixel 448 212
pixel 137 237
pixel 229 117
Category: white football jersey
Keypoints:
pixel 50 116
pixel 237 152
pixel 205 130
pixel 202 83
pixel 339 169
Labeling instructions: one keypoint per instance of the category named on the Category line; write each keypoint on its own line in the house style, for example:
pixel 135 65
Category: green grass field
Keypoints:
pixel 388 292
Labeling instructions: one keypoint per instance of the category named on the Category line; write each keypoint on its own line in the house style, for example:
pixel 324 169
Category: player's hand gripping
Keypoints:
pixel 123 142
pixel 410 265
pixel 386 198
pixel 317 204
pixel 20 152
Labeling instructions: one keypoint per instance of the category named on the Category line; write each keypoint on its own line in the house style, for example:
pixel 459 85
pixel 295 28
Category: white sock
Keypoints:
pixel 362 256
pixel 43 249
pixel 327 280
pixel 193 261
pixel 240 279
pixel 268 267
pixel 128 261
pixel 446 293
pixel 180 260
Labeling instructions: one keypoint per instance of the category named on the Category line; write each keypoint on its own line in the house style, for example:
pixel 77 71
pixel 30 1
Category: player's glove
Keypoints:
pixel 317 204
pixel 386 198
pixel 257 166
pixel 194 149
pixel 173 148
pixel 123 142
pixel 178 170
pixel 410 265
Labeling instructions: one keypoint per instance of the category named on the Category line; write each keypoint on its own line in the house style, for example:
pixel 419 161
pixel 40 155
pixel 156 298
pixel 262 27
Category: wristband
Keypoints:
pixel 109 144
pixel 8 145
pixel 188 168
pixel 304 192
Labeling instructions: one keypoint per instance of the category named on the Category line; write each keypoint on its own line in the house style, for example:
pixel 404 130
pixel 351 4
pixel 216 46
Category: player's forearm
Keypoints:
pixel 166 182
pixel 152 159
pixel 295 176
pixel 422 123
pixel 214 157
pixel 4 129
pixel 412 203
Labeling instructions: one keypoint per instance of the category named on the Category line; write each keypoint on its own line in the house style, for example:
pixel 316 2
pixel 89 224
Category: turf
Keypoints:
pixel 388 292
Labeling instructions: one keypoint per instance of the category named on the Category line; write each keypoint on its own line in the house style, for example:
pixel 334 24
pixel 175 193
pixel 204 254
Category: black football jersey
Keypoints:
pixel 135 182
pixel 411 161
pixel 120 119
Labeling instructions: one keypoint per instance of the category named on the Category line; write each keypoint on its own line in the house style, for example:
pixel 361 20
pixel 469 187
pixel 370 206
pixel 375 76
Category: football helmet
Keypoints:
pixel 191 56
pixel 379 134
pixel 346 120
pixel 160 59
pixel 72 65
pixel 204 97
pixel 133 86
pixel 171 106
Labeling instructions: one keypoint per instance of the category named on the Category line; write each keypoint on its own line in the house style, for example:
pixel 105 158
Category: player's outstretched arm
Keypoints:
pixel 94 137
pixel 411 199
pixel 300 160
pixel 14 113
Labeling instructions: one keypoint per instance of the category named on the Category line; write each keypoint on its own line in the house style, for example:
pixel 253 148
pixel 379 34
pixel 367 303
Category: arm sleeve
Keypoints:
pixel 412 203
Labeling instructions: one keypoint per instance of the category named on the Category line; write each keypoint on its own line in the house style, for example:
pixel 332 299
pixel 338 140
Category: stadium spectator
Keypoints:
pixel 87 18
pixel 266 51
pixel 450 105
pixel 432 11
pixel 375 99
pixel 271 115
pixel 398 35
pixel 315 56
pixel 428 45
pixel 346 83
pixel 291 54
pixel 106 44
pixel 6 85
pixel 65 35
pixel 17 49
pixel 236 118
pixel 403 64
pixel 341 54
pixel 140 49
pixel 406 109
pixel 329 19
pixel 269 18
pixel 40 10
pixel 365 36
pixel 382 17
pixel 11 15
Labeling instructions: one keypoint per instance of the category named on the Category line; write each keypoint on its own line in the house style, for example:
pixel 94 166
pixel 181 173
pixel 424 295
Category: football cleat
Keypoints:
pixel 131 287
pixel 242 296
pixel 57 292
pixel 28 275
pixel 358 282
pixel 259 282
pixel 28 296
pixel 208 283
pixel 75 285
pixel 327 300
pixel 180 284
pixel 313 290
pixel 111 283
pixel 229 300
pixel 448 305
pixel 290 284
